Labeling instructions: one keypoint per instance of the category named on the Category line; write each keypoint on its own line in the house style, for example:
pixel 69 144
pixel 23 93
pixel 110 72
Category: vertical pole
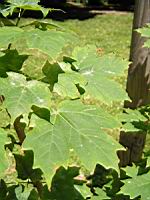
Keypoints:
pixel 138 83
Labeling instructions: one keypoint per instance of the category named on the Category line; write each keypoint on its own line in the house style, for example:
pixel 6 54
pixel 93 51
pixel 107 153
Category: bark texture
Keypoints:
pixel 138 83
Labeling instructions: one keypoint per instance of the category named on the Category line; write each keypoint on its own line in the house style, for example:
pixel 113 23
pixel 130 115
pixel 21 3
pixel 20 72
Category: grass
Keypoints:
pixel 111 32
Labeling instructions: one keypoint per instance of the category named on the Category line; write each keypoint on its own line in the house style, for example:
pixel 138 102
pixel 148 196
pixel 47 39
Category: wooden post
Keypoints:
pixel 138 83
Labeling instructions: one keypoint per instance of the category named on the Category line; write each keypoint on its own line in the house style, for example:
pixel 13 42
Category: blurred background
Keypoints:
pixel 111 4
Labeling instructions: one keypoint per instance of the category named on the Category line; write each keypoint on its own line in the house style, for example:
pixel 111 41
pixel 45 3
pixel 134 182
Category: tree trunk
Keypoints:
pixel 138 83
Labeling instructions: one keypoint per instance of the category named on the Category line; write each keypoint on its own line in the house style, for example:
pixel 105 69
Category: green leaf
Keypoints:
pixel 4 10
pixel 50 42
pixel 51 72
pixel 9 35
pixel 33 66
pixel 25 5
pixel 67 84
pixel 3 159
pixel 41 24
pixel 66 67
pixel 112 66
pixel 147 43
pixel 131 171
pixel 20 95
pixel 84 56
pixel 4 118
pixel 87 57
pixel 38 67
pixel 131 115
pixel 11 61
pixel 148 161
pixel 66 191
pixel 42 113
pixel 6 22
pixel 24 164
pixel 101 88
pixel 138 185
pixel 145 32
pixel 101 195
pixel 100 70
pixel 23 193
pixel 3 189
pixel 84 191
pixel 133 120
pixel 129 127
pixel 76 127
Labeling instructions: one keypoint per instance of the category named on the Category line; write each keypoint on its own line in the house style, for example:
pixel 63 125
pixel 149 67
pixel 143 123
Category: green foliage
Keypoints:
pixel 76 135
pixel 3 158
pixel 49 42
pixel 20 95
pixel 91 66
pixel 145 32
pixel 11 61
pixel 21 5
pixel 137 186
pixel 55 120
pixel 101 195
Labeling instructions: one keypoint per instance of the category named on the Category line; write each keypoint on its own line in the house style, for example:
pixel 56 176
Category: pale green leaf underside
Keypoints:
pixel 3 159
pixel 21 2
pixel 20 94
pixel 76 127
pixel 138 185
pixel 25 5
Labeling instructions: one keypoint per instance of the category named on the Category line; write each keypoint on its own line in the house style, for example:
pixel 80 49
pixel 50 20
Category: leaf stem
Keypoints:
pixel 21 11
pixel 23 182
